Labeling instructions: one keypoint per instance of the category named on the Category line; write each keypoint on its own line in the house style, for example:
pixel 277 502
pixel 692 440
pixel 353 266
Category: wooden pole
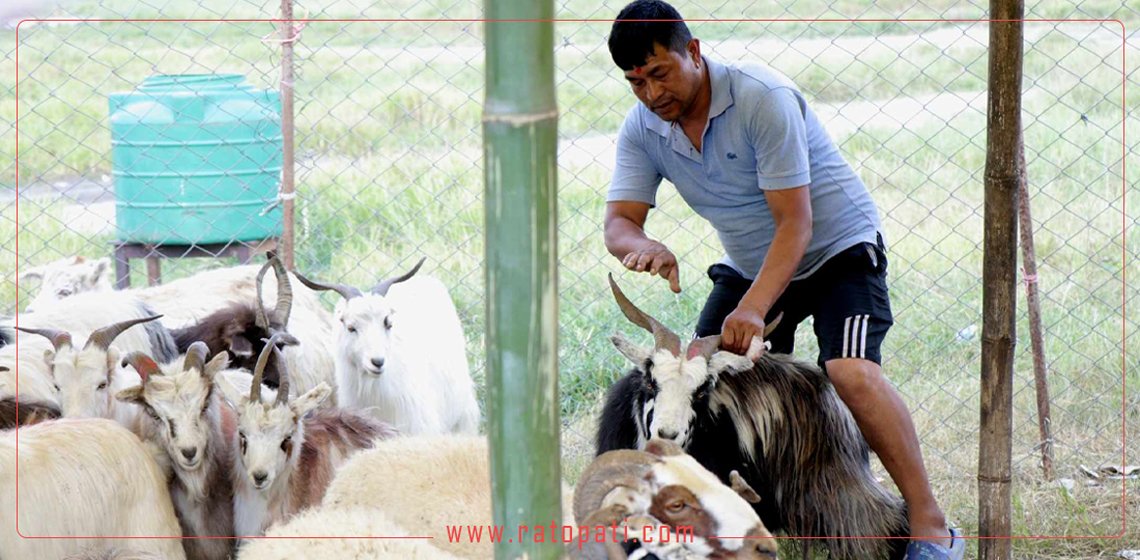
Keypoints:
pixel 1036 337
pixel 288 37
pixel 520 131
pixel 999 278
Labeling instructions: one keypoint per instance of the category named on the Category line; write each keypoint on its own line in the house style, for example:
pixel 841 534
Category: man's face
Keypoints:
pixel 668 81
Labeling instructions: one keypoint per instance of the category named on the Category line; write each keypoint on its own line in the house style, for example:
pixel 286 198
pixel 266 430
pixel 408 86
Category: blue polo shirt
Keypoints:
pixel 761 136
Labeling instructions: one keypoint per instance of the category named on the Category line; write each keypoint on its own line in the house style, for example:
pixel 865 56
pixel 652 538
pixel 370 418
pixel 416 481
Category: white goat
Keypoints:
pixel 424 484
pixel 82 478
pixel 193 426
pixel 332 525
pixel 402 356
pixel 67 277
pixel 288 451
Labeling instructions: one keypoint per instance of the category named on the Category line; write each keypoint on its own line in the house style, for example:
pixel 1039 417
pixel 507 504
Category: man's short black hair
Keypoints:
pixel 631 42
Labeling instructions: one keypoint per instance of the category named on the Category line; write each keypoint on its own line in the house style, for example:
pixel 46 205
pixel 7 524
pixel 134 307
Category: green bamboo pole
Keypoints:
pixel 999 279
pixel 520 134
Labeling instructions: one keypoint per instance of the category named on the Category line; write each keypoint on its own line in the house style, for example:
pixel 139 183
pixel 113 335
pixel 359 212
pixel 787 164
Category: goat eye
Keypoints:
pixel 56 385
pixel 286 444
pixel 351 329
pixel 102 386
pixel 241 441
pixel 387 322
pixel 676 507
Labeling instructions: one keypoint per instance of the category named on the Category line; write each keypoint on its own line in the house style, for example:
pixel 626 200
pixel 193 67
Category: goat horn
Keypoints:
pixel 381 289
pixel 103 337
pixel 346 291
pixel 259 317
pixel 284 294
pixel 259 367
pixel 196 357
pixel 282 376
pixel 142 364
pixel 772 326
pixel 706 345
pixel 662 336
pixel 57 337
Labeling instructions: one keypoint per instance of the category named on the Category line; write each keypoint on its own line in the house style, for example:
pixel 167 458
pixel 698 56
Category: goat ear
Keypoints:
pixel 742 488
pixel 216 364
pixel 240 346
pixel 49 358
pixel 632 352
pixel 727 362
pixel 131 395
pixel 310 400
pixel 98 267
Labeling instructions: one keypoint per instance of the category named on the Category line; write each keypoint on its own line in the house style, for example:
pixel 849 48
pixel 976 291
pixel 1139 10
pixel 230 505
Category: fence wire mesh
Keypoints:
pixel 389 169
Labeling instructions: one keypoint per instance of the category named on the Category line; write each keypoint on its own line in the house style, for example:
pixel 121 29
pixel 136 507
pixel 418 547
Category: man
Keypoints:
pixel 799 229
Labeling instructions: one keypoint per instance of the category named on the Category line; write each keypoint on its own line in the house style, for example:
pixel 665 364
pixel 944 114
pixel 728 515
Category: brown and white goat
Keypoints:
pixel 288 449
pixel 642 492
pixel 188 420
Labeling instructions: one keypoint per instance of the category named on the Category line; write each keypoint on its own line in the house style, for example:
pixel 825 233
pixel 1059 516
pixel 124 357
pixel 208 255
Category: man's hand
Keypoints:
pixel 739 328
pixel 655 258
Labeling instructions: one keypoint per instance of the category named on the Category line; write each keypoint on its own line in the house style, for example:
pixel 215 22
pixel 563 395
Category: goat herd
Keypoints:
pixel 232 405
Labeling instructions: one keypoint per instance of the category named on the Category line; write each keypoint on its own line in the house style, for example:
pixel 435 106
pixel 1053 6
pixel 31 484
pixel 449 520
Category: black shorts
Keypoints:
pixel 846 296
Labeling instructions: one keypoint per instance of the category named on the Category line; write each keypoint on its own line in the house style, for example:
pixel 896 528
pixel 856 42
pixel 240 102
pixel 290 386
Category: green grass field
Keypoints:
pixel 390 170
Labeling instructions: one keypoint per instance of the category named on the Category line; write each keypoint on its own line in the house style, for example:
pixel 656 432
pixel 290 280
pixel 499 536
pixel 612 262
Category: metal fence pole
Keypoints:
pixel 288 36
pixel 520 120
pixel 999 278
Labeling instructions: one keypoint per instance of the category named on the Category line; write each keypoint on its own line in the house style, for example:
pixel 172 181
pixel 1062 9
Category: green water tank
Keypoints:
pixel 196 159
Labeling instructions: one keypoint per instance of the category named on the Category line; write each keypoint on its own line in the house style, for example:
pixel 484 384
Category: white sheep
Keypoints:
pixel 67 277
pixel 193 426
pixel 288 450
pixel 401 354
pixel 359 525
pixel 82 478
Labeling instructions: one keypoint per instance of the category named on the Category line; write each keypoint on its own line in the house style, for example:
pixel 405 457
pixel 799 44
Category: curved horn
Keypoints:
pixel 346 291
pixel 142 364
pixel 381 289
pixel 57 337
pixel 284 305
pixel 196 357
pixel 259 317
pixel 662 336
pixel 707 345
pixel 282 376
pixel 103 337
pixel 259 367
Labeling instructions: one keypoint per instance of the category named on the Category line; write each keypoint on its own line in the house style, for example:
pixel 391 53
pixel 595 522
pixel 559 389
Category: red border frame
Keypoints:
pixel 1123 212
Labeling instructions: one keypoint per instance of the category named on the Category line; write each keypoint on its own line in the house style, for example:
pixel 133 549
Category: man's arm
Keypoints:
pixel 626 240
pixel 791 210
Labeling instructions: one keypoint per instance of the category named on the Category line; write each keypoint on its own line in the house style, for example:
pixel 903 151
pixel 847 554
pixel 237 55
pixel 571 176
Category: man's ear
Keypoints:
pixel 694 50
pixel 632 352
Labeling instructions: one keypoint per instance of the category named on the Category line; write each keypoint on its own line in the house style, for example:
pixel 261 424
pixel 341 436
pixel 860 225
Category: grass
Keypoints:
pixel 390 170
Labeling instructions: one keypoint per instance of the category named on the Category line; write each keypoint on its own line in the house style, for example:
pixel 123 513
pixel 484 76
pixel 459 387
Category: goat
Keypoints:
pixel 402 355
pixel 332 526
pixel 288 451
pixel 85 379
pixel 187 420
pixel 663 486
pixel 67 277
pixel 778 421
pixel 423 484
pixel 239 329
pixel 82 478
pixel 15 413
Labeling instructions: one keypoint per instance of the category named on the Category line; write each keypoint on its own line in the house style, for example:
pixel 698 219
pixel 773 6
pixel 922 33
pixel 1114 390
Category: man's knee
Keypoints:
pixel 855 378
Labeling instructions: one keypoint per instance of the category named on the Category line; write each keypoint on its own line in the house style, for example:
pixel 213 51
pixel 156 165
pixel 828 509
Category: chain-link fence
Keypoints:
pixel 389 169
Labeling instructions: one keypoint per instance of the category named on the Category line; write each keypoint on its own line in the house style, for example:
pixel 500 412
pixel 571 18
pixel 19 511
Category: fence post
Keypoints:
pixel 520 119
pixel 999 278
pixel 288 36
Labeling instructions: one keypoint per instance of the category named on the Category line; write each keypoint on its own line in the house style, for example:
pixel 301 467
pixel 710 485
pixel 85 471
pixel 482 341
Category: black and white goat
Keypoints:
pixel 189 421
pixel 778 421
pixel 287 451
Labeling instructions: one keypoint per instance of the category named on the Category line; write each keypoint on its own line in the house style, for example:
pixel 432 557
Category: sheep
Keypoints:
pixel 288 450
pixel 348 534
pixel 85 379
pixel 86 478
pixel 192 425
pixel 423 484
pixel 402 356
pixel 778 421
pixel 636 491
pixel 67 277
pixel 239 329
